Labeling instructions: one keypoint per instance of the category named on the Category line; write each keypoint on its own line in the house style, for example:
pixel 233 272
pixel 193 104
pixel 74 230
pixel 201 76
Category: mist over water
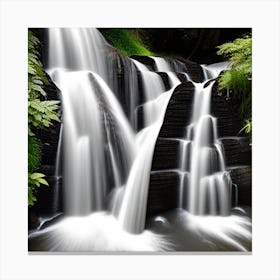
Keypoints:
pixel 106 164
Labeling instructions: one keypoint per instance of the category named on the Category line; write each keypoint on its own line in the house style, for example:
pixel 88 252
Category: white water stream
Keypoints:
pixel 206 188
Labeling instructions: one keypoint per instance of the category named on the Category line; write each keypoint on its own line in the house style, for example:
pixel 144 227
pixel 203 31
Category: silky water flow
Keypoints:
pixel 106 165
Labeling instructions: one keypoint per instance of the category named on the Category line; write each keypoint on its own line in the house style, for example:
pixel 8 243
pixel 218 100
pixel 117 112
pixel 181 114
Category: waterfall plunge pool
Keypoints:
pixel 172 231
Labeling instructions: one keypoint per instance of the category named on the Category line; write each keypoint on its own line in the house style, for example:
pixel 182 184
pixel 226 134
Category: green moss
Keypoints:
pixel 126 41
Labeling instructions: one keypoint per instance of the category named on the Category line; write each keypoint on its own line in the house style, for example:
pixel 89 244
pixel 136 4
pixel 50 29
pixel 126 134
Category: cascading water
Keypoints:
pixel 152 86
pixel 87 52
pixel 92 117
pixel 85 166
pixel 58 173
pixel 106 166
pixel 127 89
pixel 132 213
pixel 207 187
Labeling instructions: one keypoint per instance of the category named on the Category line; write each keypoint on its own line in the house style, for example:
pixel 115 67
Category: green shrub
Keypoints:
pixel 238 79
pixel 126 41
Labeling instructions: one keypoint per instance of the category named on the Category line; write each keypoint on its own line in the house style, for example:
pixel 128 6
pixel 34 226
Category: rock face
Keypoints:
pixel 237 150
pixel 166 154
pixel 226 110
pixel 164 185
pixel 178 111
pixel 242 177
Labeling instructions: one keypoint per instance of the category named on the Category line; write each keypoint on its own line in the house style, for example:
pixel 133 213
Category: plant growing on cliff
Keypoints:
pixel 126 41
pixel 238 79
pixel 41 113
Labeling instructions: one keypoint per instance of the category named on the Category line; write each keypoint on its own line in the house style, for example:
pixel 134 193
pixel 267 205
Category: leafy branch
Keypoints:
pixel 41 113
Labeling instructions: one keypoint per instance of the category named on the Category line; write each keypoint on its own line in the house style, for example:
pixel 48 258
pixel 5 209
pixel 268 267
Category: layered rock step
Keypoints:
pixel 167 152
pixel 165 188
pixel 166 165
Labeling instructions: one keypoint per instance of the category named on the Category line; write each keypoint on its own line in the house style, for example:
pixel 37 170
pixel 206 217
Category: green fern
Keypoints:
pixel 35 180
pixel 41 113
pixel 238 79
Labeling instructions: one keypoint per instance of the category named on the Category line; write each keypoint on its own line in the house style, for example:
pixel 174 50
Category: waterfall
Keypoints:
pixel 106 165
pixel 58 173
pixel 212 71
pixel 87 51
pixel 152 86
pixel 100 151
pixel 92 121
pixel 123 80
pixel 207 188
pixel 132 211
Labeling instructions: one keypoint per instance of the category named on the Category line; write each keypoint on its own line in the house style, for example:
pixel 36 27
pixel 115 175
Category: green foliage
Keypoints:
pixel 41 113
pixel 126 41
pixel 33 154
pixel 35 180
pixel 248 126
pixel 238 79
pixel 36 74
